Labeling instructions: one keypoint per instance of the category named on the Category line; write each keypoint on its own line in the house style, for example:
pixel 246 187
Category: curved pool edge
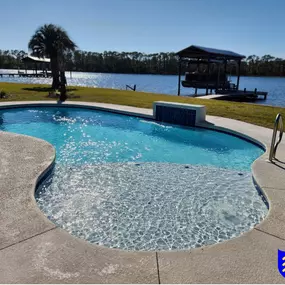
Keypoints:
pixel 49 254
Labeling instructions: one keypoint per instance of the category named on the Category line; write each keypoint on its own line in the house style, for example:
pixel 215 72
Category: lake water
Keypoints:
pixel 166 84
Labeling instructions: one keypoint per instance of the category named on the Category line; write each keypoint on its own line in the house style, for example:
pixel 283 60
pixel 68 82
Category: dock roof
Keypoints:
pixel 195 51
pixel 35 59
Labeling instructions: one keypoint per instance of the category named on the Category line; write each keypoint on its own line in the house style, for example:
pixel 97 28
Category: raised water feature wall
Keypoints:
pixel 176 113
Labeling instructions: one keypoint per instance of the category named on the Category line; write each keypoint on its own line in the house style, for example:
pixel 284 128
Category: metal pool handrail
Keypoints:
pixel 277 125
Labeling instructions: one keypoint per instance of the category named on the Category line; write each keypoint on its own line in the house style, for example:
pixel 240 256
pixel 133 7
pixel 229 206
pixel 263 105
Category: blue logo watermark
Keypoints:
pixel 281 262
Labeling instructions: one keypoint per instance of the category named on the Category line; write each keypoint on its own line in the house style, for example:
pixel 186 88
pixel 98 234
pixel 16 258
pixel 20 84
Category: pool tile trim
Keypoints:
pixel 53 255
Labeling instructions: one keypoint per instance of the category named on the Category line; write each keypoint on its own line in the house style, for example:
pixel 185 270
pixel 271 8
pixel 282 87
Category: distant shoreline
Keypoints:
pixel 67 71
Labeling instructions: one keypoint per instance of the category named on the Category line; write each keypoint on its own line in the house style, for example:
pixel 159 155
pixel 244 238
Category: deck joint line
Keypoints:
pixel 273 188
pixel 269 234
pixel 10 245
pixel 157 265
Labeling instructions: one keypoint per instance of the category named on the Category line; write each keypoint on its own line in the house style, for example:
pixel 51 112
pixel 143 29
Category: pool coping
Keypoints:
pixel 55 256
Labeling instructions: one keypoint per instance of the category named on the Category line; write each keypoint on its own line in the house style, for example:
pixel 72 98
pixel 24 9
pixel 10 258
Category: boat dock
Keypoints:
pixel 30 75
pixel 208 68
pixel 239 95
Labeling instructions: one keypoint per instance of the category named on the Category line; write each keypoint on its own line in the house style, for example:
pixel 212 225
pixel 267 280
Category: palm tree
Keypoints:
pixel 52 41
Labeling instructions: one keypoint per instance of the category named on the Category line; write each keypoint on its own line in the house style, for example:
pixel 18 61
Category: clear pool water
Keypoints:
pixel 135 184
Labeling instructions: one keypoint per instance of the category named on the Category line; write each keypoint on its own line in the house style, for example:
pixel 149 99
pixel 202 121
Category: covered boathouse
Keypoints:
pixel 39 66
pixel 208 70
pixel 214 64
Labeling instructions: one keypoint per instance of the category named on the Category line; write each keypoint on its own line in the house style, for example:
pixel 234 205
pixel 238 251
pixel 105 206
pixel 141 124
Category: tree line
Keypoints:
pixel 142 63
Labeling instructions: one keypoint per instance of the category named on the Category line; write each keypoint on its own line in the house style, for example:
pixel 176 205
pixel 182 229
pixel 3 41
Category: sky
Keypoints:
pixel 244 26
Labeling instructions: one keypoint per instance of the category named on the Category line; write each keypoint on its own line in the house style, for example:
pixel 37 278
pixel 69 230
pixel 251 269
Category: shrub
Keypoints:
pixel 54 94
pixel 3 94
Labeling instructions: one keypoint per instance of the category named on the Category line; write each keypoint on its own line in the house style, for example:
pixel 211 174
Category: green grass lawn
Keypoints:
pixel 251 113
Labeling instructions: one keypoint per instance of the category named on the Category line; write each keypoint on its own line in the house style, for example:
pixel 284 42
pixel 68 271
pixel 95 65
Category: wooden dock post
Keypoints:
pixel 179 77
pixel 238 78
pixel 225 72
pixel 208 76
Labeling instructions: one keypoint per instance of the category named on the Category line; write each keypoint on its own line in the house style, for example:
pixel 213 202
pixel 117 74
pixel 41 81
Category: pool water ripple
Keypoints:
pixel 151 206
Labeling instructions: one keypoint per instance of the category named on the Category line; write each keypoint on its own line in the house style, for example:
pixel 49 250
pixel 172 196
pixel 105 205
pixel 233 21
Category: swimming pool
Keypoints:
pixel 136 184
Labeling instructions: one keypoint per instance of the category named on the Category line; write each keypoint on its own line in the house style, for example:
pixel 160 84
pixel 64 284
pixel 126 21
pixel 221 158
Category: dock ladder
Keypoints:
pixel 278 125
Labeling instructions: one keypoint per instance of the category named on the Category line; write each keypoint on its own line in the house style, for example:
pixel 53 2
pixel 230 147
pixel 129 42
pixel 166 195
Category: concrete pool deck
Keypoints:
pixel 34 250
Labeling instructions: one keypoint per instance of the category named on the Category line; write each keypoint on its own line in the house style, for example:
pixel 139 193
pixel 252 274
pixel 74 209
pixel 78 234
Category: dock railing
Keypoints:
pixel 278 125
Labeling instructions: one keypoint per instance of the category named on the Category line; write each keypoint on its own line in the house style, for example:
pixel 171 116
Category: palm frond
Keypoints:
pixel 50 41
